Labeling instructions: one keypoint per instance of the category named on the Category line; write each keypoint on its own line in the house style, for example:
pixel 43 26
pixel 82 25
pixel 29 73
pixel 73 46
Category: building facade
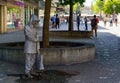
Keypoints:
pixel 15 14
pixel 2 15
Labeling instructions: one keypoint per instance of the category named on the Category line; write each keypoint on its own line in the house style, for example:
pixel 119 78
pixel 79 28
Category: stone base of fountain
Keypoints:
pixel 59 53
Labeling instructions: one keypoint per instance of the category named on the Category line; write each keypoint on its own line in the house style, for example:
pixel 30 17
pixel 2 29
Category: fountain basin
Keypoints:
pixel 59 53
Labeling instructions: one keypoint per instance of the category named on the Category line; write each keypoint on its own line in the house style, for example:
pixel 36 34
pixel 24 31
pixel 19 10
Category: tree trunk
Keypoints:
pixel 71 17
pixel 46 24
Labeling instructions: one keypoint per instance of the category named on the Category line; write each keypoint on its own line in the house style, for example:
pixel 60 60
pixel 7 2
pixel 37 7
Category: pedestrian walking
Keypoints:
pixel 111 21
pixel 94 25
pixel 86 20
pixel 116 20
pixel 67 20
pixel 31 47
pixel 53 21
pixel 105 21
pixel 78 21
pixel 57 22
pixel 17 23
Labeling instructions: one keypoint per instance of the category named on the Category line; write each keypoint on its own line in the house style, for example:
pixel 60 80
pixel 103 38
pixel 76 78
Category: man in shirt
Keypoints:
pixel 94 24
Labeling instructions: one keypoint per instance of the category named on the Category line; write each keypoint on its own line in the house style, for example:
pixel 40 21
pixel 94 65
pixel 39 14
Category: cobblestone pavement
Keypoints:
pixel 18 36
pixel 105 68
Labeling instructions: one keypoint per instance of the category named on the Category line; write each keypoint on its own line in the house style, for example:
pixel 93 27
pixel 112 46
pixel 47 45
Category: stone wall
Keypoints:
pixel 74 34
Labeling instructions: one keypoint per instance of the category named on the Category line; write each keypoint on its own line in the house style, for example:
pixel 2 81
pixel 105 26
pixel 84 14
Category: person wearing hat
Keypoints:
pixel 31 46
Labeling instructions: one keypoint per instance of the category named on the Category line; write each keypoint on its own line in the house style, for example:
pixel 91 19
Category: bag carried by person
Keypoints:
pixel 93 22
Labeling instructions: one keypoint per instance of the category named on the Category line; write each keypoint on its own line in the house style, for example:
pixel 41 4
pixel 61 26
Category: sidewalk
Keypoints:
pixel 106 66
pixel 104 69
pixel 18 36
pixel 64 26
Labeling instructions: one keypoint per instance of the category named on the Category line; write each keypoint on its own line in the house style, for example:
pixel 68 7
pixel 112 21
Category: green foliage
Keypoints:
pixel 67 2
pixel 13 10
pixel 98 6
pixel 77 7
pixel 95 9
pixel 109 7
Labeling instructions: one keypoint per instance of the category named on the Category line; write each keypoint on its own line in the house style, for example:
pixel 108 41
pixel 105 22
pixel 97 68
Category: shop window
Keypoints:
pixel 13 18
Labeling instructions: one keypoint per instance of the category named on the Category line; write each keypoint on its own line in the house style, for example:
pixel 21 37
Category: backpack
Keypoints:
pixel 111 20
pixel 93 22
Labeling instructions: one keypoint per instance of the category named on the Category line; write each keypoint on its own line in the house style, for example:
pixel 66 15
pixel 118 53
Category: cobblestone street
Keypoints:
pixel 105 68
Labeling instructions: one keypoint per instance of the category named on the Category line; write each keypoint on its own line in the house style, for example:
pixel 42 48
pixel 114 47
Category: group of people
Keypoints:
pixel 80 20
pixel 111 20
pixel 55 21
pixel 94 23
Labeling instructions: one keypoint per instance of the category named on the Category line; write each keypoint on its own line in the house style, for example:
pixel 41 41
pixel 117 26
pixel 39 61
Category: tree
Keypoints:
pixel 47 18
pixel 78 7
pixel 71 3
pixel 109 7
pixel 95 8
pixel 45 37
pixel 98 6
pixel 46 24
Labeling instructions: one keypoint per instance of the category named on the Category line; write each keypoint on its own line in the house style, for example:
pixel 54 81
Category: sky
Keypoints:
pixel 88 2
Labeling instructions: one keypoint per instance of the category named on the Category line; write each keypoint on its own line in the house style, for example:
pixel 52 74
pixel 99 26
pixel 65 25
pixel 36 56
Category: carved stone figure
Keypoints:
pixel 31 47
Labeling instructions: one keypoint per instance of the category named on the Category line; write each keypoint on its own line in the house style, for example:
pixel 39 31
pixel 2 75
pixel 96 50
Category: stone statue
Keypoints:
pixel 31 47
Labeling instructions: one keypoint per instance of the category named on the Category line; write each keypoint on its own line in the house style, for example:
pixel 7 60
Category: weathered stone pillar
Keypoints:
pixel 28 8
pixel 0 18
pixel 22 18
pixel 3 16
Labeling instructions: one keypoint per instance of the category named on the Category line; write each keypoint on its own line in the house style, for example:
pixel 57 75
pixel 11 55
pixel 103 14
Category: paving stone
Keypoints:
pixel 105 68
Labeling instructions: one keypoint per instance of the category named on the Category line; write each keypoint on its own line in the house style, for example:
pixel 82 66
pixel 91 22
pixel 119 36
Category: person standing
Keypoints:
pixel 67 20
pixel 105 21
pixel 85 20
pixel 94 24
pixel 78 21
pixel 111 21
pixel 116 20
pixel 53 21
pixel 57 22
pixel 31 47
